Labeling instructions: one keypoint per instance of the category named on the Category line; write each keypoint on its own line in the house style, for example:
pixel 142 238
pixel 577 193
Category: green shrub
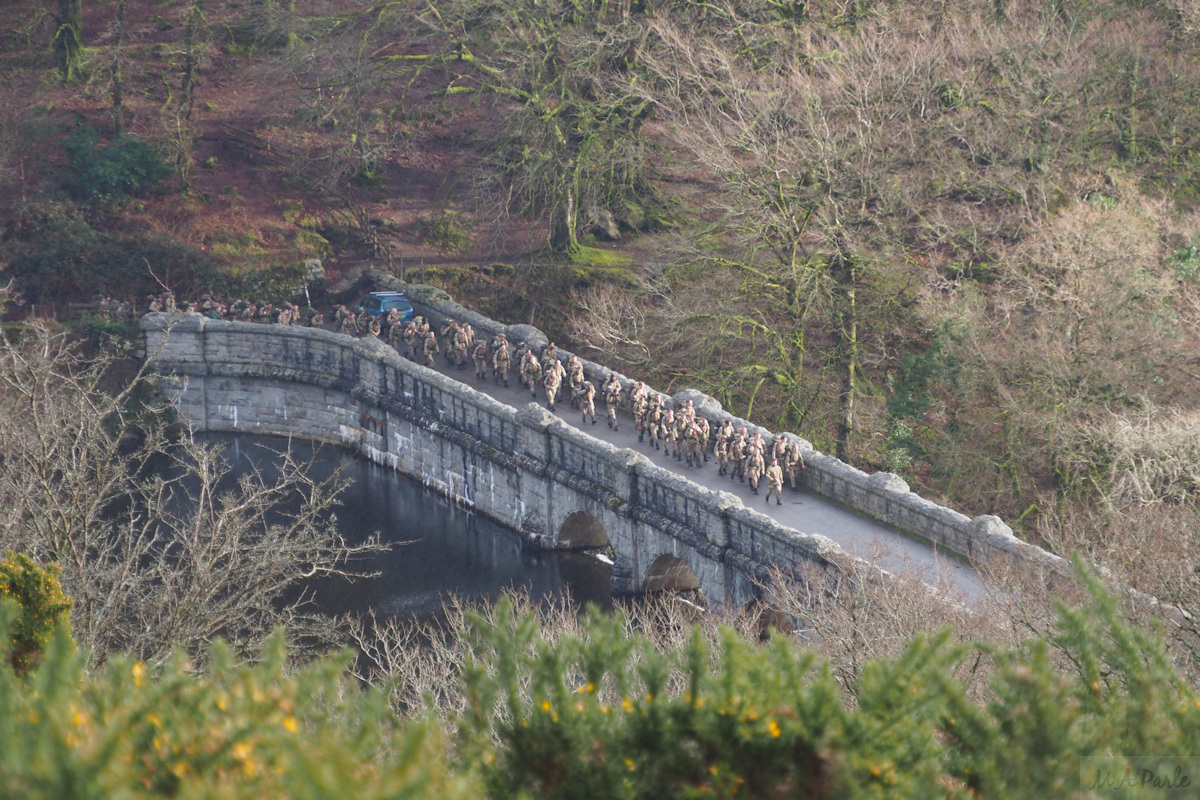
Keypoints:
pixel 63 257
pixel 312 242
pixel 101 328
pixel 41 607
pixel 449 231
pixel 125 167
pixel 290 210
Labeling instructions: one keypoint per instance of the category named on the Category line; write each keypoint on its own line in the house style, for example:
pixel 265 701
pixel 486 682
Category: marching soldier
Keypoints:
pixel 551 380
pixel 519 359
pixel 587 401
pixel 737 455
pixel 666 429
pixel 396 335
pixel 754 447
pixel 531 372
pixel 612 396
pixel 480 355
pixel 779 447
pixel 691 443
pixel 412 340
pixel 775 482
pixel 462 341
pixel 679 432
pixel 653 418
pixel 497 340
pixel 721 451
pixel 638 405
pixel 575 379
pixel 687 412
pixel 793 462
pixel 373 326
pixel 348 324
pixel 364 323
pixel 755 468
pixel 724 434
pixel 703 432
pixel 549 356
pixel 500 364
pixel 431 347
pixel 391 321
pixel 446 334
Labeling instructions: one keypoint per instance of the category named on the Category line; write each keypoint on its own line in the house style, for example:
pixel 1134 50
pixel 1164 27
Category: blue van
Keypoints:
pixel 378 304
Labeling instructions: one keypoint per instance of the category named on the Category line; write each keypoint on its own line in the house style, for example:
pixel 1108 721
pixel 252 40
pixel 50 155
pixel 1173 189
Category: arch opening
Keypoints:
pixel 580 530
pixel 670 574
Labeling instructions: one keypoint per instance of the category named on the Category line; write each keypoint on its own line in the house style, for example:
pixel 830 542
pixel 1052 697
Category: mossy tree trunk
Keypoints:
pixel 118 78
pixel 68 38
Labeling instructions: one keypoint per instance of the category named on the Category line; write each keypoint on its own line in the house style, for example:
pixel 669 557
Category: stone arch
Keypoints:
pixel 581 530
pixel 670 574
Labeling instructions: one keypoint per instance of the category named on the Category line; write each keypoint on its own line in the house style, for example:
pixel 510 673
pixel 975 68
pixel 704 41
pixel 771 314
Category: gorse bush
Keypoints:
pixel 231 731
pixel 34 598
pixel 601 714
pixel 607 716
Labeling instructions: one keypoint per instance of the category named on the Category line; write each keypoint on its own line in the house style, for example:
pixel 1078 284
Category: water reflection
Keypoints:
pixel 440 549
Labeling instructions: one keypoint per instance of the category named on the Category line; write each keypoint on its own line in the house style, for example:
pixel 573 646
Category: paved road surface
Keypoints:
pixel 802 510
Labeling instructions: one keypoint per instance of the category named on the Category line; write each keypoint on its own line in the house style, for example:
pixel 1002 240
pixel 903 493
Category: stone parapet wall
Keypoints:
pixel 500 461
pixel 883 496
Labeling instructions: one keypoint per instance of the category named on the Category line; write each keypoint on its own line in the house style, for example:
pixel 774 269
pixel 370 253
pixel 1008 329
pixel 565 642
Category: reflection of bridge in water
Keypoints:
pixel 671 526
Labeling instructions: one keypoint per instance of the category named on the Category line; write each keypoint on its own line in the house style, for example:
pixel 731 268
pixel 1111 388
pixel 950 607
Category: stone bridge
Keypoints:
pixel 557 485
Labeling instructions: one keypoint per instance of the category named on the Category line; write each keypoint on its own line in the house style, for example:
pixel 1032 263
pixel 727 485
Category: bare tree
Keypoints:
pixel 800 152
pixel 155 559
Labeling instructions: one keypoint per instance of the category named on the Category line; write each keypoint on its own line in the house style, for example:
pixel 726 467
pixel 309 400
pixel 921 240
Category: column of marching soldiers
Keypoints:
pixel 683 432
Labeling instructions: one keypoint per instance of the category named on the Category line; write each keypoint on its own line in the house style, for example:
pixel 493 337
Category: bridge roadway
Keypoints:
pixel 802 510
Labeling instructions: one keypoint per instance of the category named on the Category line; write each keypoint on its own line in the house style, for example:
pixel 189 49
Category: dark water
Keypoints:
pixel 439 548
